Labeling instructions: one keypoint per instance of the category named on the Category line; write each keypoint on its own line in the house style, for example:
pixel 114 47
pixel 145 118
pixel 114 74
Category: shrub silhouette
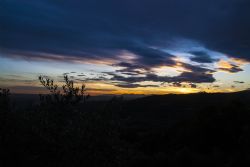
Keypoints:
pixel 79 135
pixel 4 99
pixel 68 95
pixel 60 131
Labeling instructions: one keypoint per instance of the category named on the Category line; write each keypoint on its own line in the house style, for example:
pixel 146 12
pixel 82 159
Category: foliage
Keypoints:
pixel 82 136
pixel 4 99
pixel 69 94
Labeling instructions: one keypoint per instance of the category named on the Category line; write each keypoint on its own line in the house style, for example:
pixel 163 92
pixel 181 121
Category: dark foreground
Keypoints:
pixel 170 130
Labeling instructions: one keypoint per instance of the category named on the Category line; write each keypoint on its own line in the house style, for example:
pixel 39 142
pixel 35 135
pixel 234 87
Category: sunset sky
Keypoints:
pixel 126 46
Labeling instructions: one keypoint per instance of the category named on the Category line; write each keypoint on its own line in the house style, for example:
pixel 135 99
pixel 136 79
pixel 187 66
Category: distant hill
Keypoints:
pixel 27 99
pixel 157 102
pixel 162 111
pixel 190 100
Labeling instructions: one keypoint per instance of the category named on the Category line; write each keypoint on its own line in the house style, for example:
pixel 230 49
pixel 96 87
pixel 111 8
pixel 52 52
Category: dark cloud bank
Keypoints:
pixel 93 29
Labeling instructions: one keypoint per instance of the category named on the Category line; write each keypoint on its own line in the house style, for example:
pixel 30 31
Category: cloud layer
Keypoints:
pixel 88 30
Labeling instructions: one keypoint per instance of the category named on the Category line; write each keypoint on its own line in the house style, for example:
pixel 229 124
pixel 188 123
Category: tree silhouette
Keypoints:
pixel 69 94
pixel 4 99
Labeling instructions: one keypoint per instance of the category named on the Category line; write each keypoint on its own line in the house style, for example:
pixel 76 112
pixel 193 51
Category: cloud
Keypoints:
pixel 131 78
pixel 129 85
pixel 193 85
pixel 177 84
pixel 131 69
pixel 100 31
pixel 87 28
pixel 195 69
pixel 239 82
pixel 201 57
pixel 231 67
pixel 232 70
pixel 100 90
pixel 194 77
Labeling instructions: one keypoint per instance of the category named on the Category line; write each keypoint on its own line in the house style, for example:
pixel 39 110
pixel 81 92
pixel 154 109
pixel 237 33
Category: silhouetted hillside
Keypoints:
pixel 164 130
pixel 167 110
pixel 195 100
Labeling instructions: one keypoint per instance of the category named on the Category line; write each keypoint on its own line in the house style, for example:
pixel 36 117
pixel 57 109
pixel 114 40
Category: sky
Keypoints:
pixel 126 47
